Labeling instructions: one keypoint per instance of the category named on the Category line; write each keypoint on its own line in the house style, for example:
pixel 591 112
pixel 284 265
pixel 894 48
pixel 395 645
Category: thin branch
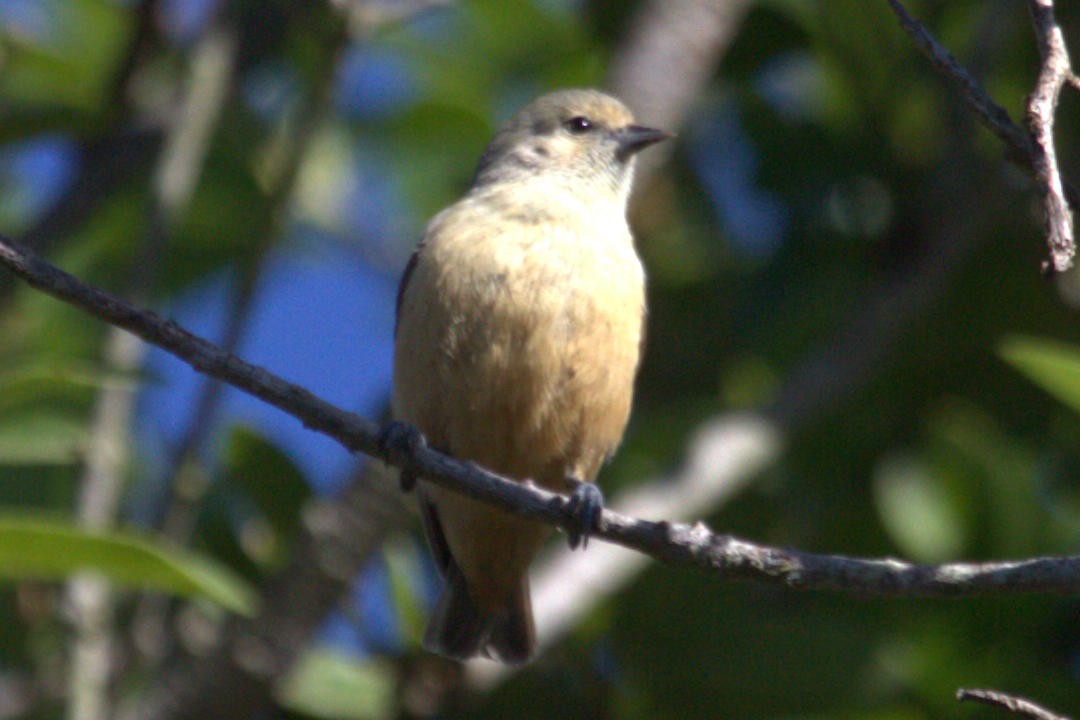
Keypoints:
pixel 113 156
pixel 1012 703
pixel 672 543
pixel 722 458
pixel 1034 152
pixel 1042 105
pixel 993 116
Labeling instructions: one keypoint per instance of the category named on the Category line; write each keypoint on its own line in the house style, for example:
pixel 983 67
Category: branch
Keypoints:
pixel 287 147
pixel 993 116
pixel 1034 152
pixel 1016 705
pixel 1057 217
pixel 672 543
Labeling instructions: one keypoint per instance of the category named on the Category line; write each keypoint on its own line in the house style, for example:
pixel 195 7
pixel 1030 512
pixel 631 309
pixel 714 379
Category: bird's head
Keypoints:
pixel 580 136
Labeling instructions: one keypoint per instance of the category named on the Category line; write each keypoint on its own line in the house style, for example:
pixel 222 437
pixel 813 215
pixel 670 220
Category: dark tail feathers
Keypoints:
pixel 460 630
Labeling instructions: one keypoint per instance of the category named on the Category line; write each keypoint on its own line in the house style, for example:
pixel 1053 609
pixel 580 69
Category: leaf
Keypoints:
pixel 72 65
pixel 45 378
pixel 54 549
pixel 40 438
pixel 269 477
pixel 328 684
pixel 916 510
pixel 1052 365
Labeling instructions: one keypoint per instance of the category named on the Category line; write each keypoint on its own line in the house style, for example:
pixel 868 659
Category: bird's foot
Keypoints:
pixel 586 506
pixel 402 440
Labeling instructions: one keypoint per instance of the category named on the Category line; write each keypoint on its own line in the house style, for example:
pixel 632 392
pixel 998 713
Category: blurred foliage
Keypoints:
pixel 326 684
pixel 48 549
pixel 1053 365
pixel 828 190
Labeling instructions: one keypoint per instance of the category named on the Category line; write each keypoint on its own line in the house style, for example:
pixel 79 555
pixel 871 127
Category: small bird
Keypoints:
pixel 519 331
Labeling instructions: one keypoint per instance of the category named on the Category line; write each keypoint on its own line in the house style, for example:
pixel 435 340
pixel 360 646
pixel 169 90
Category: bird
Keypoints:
pixel 518 334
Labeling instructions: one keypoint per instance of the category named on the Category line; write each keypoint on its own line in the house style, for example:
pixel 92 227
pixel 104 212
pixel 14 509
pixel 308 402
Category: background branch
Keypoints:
pixel 1034 152
pixel 1041 108
pixel 1016 705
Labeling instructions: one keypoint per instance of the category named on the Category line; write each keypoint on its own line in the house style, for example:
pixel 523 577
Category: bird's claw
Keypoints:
pixel 586 505
pixel 400 439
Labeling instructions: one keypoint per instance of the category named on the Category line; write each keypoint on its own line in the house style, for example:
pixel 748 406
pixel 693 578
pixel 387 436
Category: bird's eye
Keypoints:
pixel 578 125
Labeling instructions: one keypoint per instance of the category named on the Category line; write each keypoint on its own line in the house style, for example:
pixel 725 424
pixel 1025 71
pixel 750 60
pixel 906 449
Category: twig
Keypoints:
pixel 1042 104
pixel 671 543
pixel 994 116
pixel 1016 705
pixel 1033 152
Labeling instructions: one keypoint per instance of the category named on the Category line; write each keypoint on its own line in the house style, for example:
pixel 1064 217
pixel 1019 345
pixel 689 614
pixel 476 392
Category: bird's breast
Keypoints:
pixel 537 343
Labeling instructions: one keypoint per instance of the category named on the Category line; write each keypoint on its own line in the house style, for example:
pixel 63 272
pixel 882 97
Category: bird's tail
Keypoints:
pixel 459 629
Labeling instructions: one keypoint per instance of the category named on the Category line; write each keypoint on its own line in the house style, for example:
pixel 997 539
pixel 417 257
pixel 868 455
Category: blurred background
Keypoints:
pixel 851 350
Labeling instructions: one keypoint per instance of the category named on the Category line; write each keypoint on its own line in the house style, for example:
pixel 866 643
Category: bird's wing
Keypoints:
pixel 433 531
pixel 405 277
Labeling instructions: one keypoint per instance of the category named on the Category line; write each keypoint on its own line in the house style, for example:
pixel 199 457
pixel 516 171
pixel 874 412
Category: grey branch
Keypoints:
pixel 1016 705
pixel 672 543
pixel 1032 151
pixel 994 116
pixel 1042 104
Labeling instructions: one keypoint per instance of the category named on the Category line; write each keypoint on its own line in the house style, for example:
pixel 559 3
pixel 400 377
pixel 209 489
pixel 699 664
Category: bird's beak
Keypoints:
pixel 635 138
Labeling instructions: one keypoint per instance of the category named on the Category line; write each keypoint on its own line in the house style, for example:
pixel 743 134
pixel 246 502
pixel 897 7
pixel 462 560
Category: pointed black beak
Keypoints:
pixel 635 138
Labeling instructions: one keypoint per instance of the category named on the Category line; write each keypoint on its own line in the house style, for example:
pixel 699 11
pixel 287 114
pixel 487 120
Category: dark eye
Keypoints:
pixel 578 125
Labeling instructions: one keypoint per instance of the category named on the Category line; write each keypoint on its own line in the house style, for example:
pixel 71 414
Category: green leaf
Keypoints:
pixel 73 64
pixel 916 510
pixel 269 477
pixel 40 438
pixel 328 684
pixel 54 549
pixel 47 378
pixel 1054 366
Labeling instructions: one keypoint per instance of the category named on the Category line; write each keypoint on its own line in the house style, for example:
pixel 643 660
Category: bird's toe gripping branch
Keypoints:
pixel 402 440
pixel 586 506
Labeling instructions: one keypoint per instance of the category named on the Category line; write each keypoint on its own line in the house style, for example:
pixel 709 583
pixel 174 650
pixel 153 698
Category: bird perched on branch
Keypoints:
pixel 519 327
